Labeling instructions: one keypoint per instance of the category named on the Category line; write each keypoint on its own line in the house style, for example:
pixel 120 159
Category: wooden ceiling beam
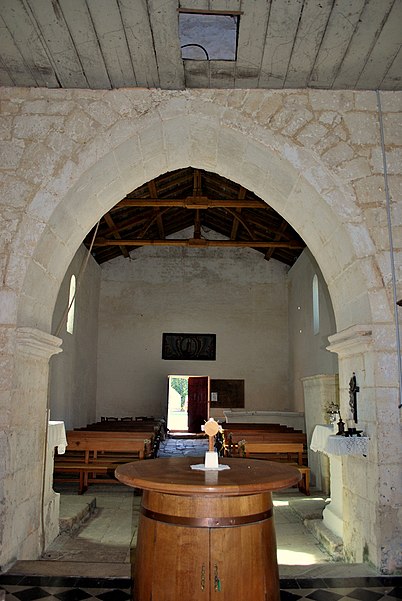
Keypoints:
pixel 199 242
pixel 192 202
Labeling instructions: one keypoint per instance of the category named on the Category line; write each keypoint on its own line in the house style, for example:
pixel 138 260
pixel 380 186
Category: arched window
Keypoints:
pixel 316 306
pixel 71 305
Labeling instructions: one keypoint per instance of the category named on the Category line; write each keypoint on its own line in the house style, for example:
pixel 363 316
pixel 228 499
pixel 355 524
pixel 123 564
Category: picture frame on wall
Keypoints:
pixel 189 347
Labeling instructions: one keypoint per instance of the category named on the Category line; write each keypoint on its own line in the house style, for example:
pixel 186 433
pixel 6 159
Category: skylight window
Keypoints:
pixel 208 36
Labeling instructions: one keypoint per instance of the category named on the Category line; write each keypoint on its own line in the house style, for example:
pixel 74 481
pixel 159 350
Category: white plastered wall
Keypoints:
pixel 317 360
pixel 73 373
pixel 314 156
pixel 234 294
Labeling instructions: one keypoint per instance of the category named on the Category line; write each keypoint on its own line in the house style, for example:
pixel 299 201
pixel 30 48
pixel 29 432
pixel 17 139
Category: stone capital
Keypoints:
pixel 34 342
pixel 352 341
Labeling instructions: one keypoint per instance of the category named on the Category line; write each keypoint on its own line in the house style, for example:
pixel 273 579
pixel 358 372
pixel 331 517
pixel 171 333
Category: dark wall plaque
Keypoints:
pixel 190 347
pixel 230 393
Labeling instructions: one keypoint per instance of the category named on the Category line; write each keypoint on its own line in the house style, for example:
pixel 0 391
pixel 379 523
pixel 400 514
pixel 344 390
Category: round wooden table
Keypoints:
pixel 206 534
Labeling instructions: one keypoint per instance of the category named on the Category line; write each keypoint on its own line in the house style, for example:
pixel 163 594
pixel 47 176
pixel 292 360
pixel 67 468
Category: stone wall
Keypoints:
pixel 314 156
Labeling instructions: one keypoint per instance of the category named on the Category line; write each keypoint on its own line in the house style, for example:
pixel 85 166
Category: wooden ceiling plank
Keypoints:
pixel 282 27
pixel 57 39
pixel 81 27
pixel 362 43
pixel 139 38
pixel 109 220
pixel 29 43
pixel 385 50
pixel 111 35
pixel 222 74
pixel 13 62
pixel 252 32
pixel 5 79
pixel 338 35
pixel 309 35
pixel 393 78
pixel 165 34
pixel 197 74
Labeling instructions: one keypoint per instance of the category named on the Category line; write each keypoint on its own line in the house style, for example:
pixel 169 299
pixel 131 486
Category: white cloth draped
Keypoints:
pixel 327 442
pixel 57 436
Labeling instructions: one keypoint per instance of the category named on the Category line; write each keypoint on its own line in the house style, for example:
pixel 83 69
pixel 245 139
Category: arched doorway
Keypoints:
pixel 182 130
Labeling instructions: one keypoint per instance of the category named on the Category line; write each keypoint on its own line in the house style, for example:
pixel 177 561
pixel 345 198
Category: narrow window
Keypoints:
pixel 316 306
pixel 71 305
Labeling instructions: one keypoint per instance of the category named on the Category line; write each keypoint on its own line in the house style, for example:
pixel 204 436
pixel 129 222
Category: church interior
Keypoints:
pixel 201 220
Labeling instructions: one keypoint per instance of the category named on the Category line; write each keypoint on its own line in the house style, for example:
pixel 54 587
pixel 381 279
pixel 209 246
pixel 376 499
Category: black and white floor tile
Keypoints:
pixel 32 588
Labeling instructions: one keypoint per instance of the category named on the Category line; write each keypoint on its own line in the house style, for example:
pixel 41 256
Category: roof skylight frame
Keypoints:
pixel 205 44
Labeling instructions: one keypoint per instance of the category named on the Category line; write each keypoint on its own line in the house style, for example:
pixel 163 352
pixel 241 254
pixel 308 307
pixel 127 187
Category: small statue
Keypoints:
pixel 341 427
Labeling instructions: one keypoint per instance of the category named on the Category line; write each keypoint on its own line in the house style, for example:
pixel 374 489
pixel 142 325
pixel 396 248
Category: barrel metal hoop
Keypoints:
pixel 207 522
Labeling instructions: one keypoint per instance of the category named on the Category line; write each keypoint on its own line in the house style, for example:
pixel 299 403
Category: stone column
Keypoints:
pixel 357 502
pixel 24 529
pixel 319 392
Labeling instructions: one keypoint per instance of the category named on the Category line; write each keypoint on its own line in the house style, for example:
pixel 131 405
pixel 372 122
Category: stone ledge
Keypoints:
pixel 332 543
pixel 74 511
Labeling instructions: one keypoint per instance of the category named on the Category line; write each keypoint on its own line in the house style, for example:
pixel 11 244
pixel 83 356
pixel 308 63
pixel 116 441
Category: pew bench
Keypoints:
pixel 288 452
pixel 89 457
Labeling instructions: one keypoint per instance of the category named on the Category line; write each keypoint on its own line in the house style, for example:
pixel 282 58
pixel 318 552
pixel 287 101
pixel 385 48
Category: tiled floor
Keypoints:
pixel 92 561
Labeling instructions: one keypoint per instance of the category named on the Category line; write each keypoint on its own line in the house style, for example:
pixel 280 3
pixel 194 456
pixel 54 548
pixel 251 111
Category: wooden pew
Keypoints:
pixel 233 437
pixel 93 454
pixel 289 452
pixel 268 427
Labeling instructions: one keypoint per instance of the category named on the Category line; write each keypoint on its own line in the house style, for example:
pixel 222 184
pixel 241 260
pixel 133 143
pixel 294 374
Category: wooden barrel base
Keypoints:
pixel 192 548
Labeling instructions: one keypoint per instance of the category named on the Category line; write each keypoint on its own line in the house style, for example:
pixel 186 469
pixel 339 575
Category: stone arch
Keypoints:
pixel 290 179
pixel 183 130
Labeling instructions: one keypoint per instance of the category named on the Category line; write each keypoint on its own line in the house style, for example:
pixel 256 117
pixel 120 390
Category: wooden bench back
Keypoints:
pixel 103 441
pixel 111 434
pixel 269 448
pixel 253 436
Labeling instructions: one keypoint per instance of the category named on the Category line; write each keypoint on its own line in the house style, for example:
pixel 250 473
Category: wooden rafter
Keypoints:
pixel 100 241
pixel 154 212
pixel 192 202
pixel 109 220
pixel 159 221
pixel 235 225
pixel 278 236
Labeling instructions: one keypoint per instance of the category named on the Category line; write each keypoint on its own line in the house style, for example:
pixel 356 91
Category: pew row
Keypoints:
pixel 288 452
pixel 92 457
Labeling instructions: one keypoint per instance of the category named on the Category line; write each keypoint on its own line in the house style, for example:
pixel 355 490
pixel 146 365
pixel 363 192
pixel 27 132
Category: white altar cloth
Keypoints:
pixel 57 436
pixel 324 440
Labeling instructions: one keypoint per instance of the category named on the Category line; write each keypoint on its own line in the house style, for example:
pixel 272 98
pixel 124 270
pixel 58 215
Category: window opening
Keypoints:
pixel 71 305
pixel 316 306
pixel 208 36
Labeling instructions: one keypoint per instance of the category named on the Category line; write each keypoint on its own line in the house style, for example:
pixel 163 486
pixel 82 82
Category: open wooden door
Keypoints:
pixel 198 402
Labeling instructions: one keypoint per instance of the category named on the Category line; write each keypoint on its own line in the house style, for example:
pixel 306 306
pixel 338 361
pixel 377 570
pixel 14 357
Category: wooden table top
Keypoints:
pixel 174 475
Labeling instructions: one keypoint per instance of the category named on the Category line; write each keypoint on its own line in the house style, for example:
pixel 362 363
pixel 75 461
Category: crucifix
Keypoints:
pixel 353 390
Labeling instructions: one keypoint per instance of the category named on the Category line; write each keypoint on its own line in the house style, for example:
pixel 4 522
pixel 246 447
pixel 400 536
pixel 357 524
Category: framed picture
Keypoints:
pixel 189 347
